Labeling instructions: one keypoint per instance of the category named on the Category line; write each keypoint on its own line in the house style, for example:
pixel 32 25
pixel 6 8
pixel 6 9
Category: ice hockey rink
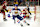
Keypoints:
pixel 10 21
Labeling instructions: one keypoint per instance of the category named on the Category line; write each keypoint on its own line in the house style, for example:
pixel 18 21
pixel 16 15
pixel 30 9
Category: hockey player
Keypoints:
pixel 25 13
pixel 16 13
pixel 28 9
pixel 3 9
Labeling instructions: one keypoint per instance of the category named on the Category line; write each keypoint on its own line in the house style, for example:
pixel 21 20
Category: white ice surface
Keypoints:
pixel 10 22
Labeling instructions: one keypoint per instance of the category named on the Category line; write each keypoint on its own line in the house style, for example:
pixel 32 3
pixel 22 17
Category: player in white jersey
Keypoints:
pixel 16 13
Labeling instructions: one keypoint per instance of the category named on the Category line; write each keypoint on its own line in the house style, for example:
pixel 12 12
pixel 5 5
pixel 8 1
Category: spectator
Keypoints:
pixel 26 2
pixel 19 1
pixel 21 4
pixel 8 3
pixel 15 2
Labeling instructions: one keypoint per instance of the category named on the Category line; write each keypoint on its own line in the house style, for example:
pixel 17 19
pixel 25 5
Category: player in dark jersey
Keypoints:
pixel 28 9
pixel 3 10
